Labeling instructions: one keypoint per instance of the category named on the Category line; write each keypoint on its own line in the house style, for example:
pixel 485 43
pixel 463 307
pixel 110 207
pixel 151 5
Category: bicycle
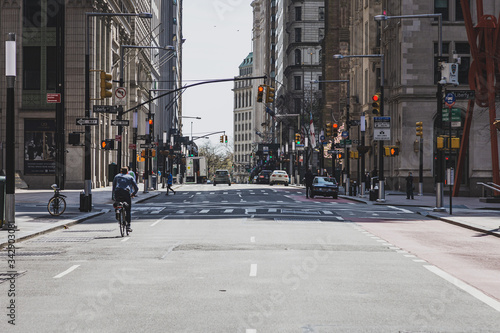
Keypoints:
pixel 57 204
pixel 121 216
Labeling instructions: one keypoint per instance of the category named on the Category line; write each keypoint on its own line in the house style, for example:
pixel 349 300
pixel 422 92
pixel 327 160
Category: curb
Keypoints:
pixel 464 225
pixel 60 225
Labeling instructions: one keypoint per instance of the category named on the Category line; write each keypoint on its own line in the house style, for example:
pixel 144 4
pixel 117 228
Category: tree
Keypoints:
pixel 217 157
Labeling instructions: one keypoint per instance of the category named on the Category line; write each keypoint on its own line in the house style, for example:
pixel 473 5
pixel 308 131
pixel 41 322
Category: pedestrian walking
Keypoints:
pixel 170 180
pixel 409 186
pixel 309 181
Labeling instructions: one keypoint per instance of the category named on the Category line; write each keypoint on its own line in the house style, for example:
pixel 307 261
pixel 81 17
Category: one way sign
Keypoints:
pixel 119 122
pixel 87 121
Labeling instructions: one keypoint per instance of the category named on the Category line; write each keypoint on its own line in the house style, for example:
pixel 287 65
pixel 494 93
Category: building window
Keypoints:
pixel 32 14
pixel 320 84
pixel 463 51
pixel 441 6
pixel 298 13
pixel 321 13
pixel 297 82
pixel 298 35
pixel 31 67
pixel 321 34
pixel 298 57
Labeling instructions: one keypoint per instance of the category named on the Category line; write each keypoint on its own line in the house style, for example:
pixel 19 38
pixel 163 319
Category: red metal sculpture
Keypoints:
pixel 484 79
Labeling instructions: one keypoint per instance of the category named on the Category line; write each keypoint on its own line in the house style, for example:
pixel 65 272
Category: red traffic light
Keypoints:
pixel 335 126
pixel 376 98
pixel 261 89
pixel 150 121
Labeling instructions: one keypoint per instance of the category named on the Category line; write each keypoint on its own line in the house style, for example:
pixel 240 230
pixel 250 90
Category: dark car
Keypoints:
pixel 325 186
pixel 263 177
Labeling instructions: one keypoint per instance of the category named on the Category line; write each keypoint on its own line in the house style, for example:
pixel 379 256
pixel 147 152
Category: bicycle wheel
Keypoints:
pixel 123 223
pixel 56 206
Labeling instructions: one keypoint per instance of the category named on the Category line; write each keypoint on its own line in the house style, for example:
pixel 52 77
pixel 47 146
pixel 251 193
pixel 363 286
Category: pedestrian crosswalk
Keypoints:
pixel 228 211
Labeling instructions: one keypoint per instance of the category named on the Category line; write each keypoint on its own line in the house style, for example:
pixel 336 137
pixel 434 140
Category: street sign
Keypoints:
pixel 346 142
pixel 120 94
pixel 53 98
pixel 450 99
pixel 118 138
pixel 456 115
pixel 381 128
pixel 119 122
pixel 87 121
pixel 105 109
pixel 148 145
pixel 142 137
pixel 132 146
pixel 345 134
pixel 464 94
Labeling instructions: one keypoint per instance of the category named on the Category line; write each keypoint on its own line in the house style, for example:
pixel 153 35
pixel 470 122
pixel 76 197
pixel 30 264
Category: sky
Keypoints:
pixel 218 37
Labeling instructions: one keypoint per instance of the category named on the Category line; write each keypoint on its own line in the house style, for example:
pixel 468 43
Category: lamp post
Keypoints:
pixel 381 189
pixel 10 132
pixel 439 96
pixel 86 201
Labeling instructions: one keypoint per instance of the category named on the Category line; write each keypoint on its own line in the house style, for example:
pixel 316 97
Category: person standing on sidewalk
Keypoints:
pixel 169 183
pixel 409 186
pixel 309 181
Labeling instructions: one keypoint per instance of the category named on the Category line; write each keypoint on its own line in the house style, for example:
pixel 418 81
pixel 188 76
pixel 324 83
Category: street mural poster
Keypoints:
pixel 39 146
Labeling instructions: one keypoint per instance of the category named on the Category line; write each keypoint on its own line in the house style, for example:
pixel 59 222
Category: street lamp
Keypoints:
pixel 86 201
pixel 440 169
pixel 381 189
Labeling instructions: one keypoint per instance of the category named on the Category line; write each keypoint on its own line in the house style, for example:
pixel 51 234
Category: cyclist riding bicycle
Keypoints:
pixel 124 188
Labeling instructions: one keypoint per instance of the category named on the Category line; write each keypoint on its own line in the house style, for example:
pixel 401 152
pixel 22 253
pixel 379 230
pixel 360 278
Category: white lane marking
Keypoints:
pixel 401 209
pixel 272 210
pixel 465 287
pixel 180 212
pixel 339 218
pixel 204 211
pixel 158 221
pixel 251 210
pixel 155 212
pixel 419 260
pixel 206 202
pixel 253 270
pixel 224 193
pixel 212 192
pixel 252 239
pixel 374 214
pixel 266 193
pixel 279 201
pixel 125 239
pixel 224 201
pixel 327 212
pixel 250 330
pixel 228 211
pixel 69 270
pixel 198 192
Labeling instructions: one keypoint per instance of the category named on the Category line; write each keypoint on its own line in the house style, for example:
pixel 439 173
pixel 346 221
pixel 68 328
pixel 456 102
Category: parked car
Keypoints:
pixel 222 177
pixel 278 177
pixel 325 186
pixel 263 177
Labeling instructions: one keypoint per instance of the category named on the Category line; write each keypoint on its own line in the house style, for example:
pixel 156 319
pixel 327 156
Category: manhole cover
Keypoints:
pixel 8 276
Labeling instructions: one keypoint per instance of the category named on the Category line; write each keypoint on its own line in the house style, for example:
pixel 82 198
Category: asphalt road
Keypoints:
pixel 246 258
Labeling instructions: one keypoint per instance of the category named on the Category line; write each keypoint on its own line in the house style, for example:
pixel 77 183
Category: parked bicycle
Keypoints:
pixel 121 216
pixel 57 204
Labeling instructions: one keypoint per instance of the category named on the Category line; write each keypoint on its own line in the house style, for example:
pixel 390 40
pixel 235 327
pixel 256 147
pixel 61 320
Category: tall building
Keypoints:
pixel 50 90
pixel 410 48
pixel 244 102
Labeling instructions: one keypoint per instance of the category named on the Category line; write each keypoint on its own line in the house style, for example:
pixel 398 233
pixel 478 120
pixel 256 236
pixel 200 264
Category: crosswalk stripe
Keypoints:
pixel 327 212
pixel 180 212
pixel 228 211
pixel 204 211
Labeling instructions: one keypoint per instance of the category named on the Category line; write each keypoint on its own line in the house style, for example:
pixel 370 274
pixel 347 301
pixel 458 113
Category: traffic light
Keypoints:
pixel 376 103
pixel 297 138
pixel 419 129
pixel 270 94
pixel 340 156
pixel 328 129
pixel 391 150
pixel 225 138
pixel 108 144
pixel 221 138
pixel 440 142
pixel 354 154
pixel 143 153
pixel 260 93
pixel 335 128
pixel 106 85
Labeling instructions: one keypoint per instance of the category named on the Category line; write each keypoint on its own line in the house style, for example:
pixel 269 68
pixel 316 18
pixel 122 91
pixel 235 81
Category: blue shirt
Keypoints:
pixel 125 182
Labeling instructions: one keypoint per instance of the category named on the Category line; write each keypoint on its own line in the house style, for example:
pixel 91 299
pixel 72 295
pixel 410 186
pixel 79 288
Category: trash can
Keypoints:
pixel 85 202
pixel 2 200
pixel 373 195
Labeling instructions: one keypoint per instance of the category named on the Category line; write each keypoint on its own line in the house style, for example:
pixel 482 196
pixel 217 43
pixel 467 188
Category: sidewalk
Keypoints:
pixel 468 212
pixel 32 217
